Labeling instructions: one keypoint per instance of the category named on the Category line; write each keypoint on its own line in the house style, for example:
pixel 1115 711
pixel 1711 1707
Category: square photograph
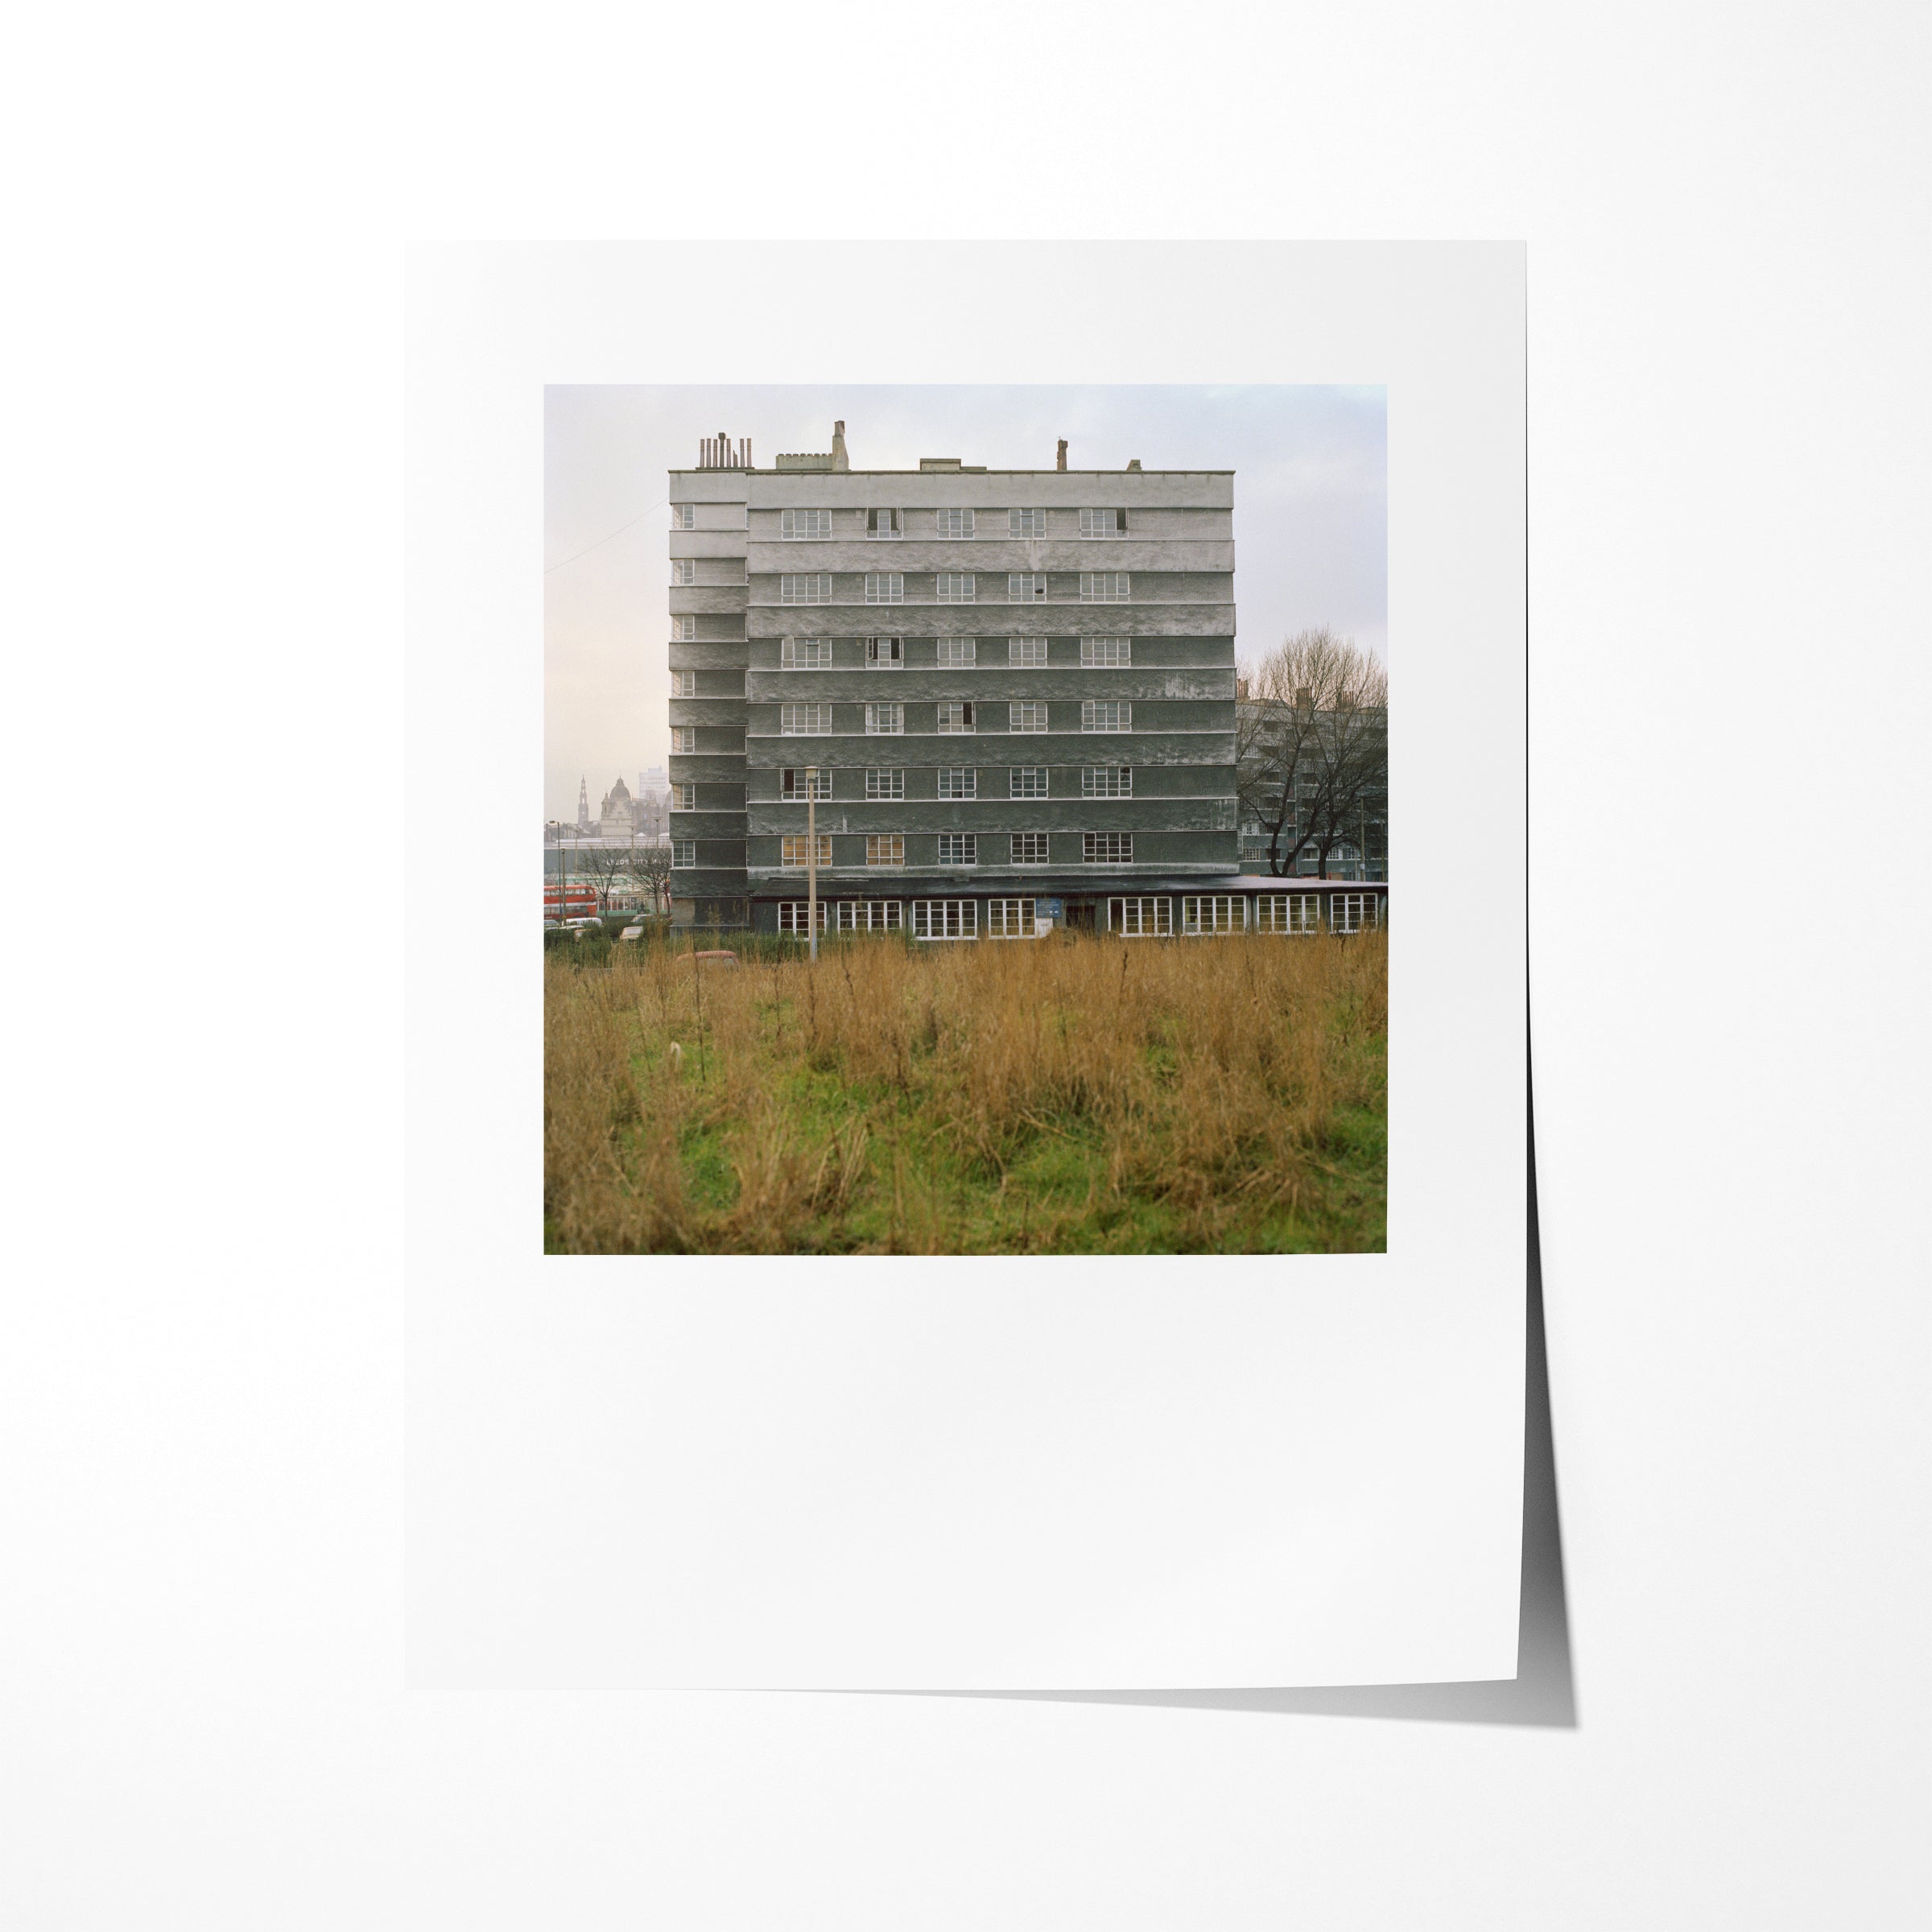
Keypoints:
pixel 932 863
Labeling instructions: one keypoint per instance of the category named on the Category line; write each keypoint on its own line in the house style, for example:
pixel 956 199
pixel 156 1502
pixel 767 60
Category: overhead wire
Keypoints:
pixel 601 540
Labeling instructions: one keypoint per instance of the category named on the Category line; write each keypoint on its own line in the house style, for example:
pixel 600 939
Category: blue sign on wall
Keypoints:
pixel 1050 909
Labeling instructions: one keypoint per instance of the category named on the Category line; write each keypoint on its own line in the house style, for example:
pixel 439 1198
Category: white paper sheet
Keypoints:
pixel 1045 1473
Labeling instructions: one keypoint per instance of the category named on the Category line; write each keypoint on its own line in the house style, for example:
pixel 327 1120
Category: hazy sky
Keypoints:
pixel 1310 514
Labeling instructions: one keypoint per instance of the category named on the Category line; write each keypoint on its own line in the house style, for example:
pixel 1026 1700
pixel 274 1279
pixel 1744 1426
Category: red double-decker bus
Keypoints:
pixel 573 902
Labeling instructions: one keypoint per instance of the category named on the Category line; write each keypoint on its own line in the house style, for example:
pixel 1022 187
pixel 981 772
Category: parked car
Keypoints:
pixel 632 932
pixel 553 925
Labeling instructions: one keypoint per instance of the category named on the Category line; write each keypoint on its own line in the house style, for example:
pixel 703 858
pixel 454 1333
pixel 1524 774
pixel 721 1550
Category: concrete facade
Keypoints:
pixel 782 609
pixel 710 612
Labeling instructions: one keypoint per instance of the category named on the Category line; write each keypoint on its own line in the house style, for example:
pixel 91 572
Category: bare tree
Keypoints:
pixel 1311 747
pixel 1350 755
pixel 607 864
pixel 650 866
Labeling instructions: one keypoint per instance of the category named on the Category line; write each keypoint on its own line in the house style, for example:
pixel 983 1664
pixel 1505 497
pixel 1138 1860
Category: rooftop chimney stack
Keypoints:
pixel 1061 464
pixel 841 462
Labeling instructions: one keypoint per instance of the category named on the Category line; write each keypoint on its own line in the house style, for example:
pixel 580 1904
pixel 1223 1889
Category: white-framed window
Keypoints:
pixel 955 587
pixel 1107 847
pixel 683 630
pixel 1009 920
pixel 1141 918
pixel 683 516
pixel 1105 587
pixel 885 654
pixel 684 683
pixel 1024 588
pixel 885 784
pixel 804 720
pixel 1102 653
pixel 1031 652
pixel 797 851
pixel 683 854
pixel 807 587
pixel 882 523
pixel 1105 714
pixel 1288 912
pixel 1026 849
pixel 805 654
pixel 884 586
pixel 1026 781
pixel 1103 522
pixel 955 718
pixel 884 848
pixel 1353 911
pixel 957 784
pixel 1026 717
pixel 1107 781
pixel 798 783
pixel 869 915
pixel 794 918
pixel 959 849
pixel 884 720
pixel 683 798
pixel 944 919
pixel 1213 912
pixel 683 570
pixel 684 738
pixel 1025 523
pixel 804 526
pixel 953 522
pixel 958 653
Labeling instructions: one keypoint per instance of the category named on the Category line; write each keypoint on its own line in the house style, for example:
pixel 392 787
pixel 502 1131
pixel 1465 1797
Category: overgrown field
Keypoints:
pixel 1069 1096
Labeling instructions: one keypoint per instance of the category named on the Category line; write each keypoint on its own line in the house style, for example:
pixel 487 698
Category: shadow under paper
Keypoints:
pixel 1543 1691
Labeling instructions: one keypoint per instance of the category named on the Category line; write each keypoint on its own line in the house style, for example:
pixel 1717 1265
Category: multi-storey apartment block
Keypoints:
pixel 1015 688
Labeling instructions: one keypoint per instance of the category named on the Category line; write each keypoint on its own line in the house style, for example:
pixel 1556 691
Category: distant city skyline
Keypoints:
pixel 1310 514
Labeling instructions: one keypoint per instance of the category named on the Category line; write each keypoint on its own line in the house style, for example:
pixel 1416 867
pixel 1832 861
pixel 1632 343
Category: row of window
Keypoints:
pixel 1022 781
pixel 808 526
pixel 841 915
pixel 953 653
pixel 960 848
pixel 796 783
pixel 1133 919
pixel 888 720
pixel 955 586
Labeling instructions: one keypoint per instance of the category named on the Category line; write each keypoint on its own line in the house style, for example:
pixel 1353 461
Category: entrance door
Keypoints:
pixel 1079 915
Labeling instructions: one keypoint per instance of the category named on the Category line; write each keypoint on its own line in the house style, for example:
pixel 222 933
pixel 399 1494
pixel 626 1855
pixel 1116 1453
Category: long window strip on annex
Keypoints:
pixel 1288 912
pixel 1209 913
pixel 1141 918
pixel 944 919
pixel 869 915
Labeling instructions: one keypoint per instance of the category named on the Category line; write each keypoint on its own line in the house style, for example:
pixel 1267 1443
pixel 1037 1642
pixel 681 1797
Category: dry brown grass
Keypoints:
pixel 1074 1094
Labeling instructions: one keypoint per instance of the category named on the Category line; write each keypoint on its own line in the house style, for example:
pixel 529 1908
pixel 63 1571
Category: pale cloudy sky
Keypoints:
pixel 1310 514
